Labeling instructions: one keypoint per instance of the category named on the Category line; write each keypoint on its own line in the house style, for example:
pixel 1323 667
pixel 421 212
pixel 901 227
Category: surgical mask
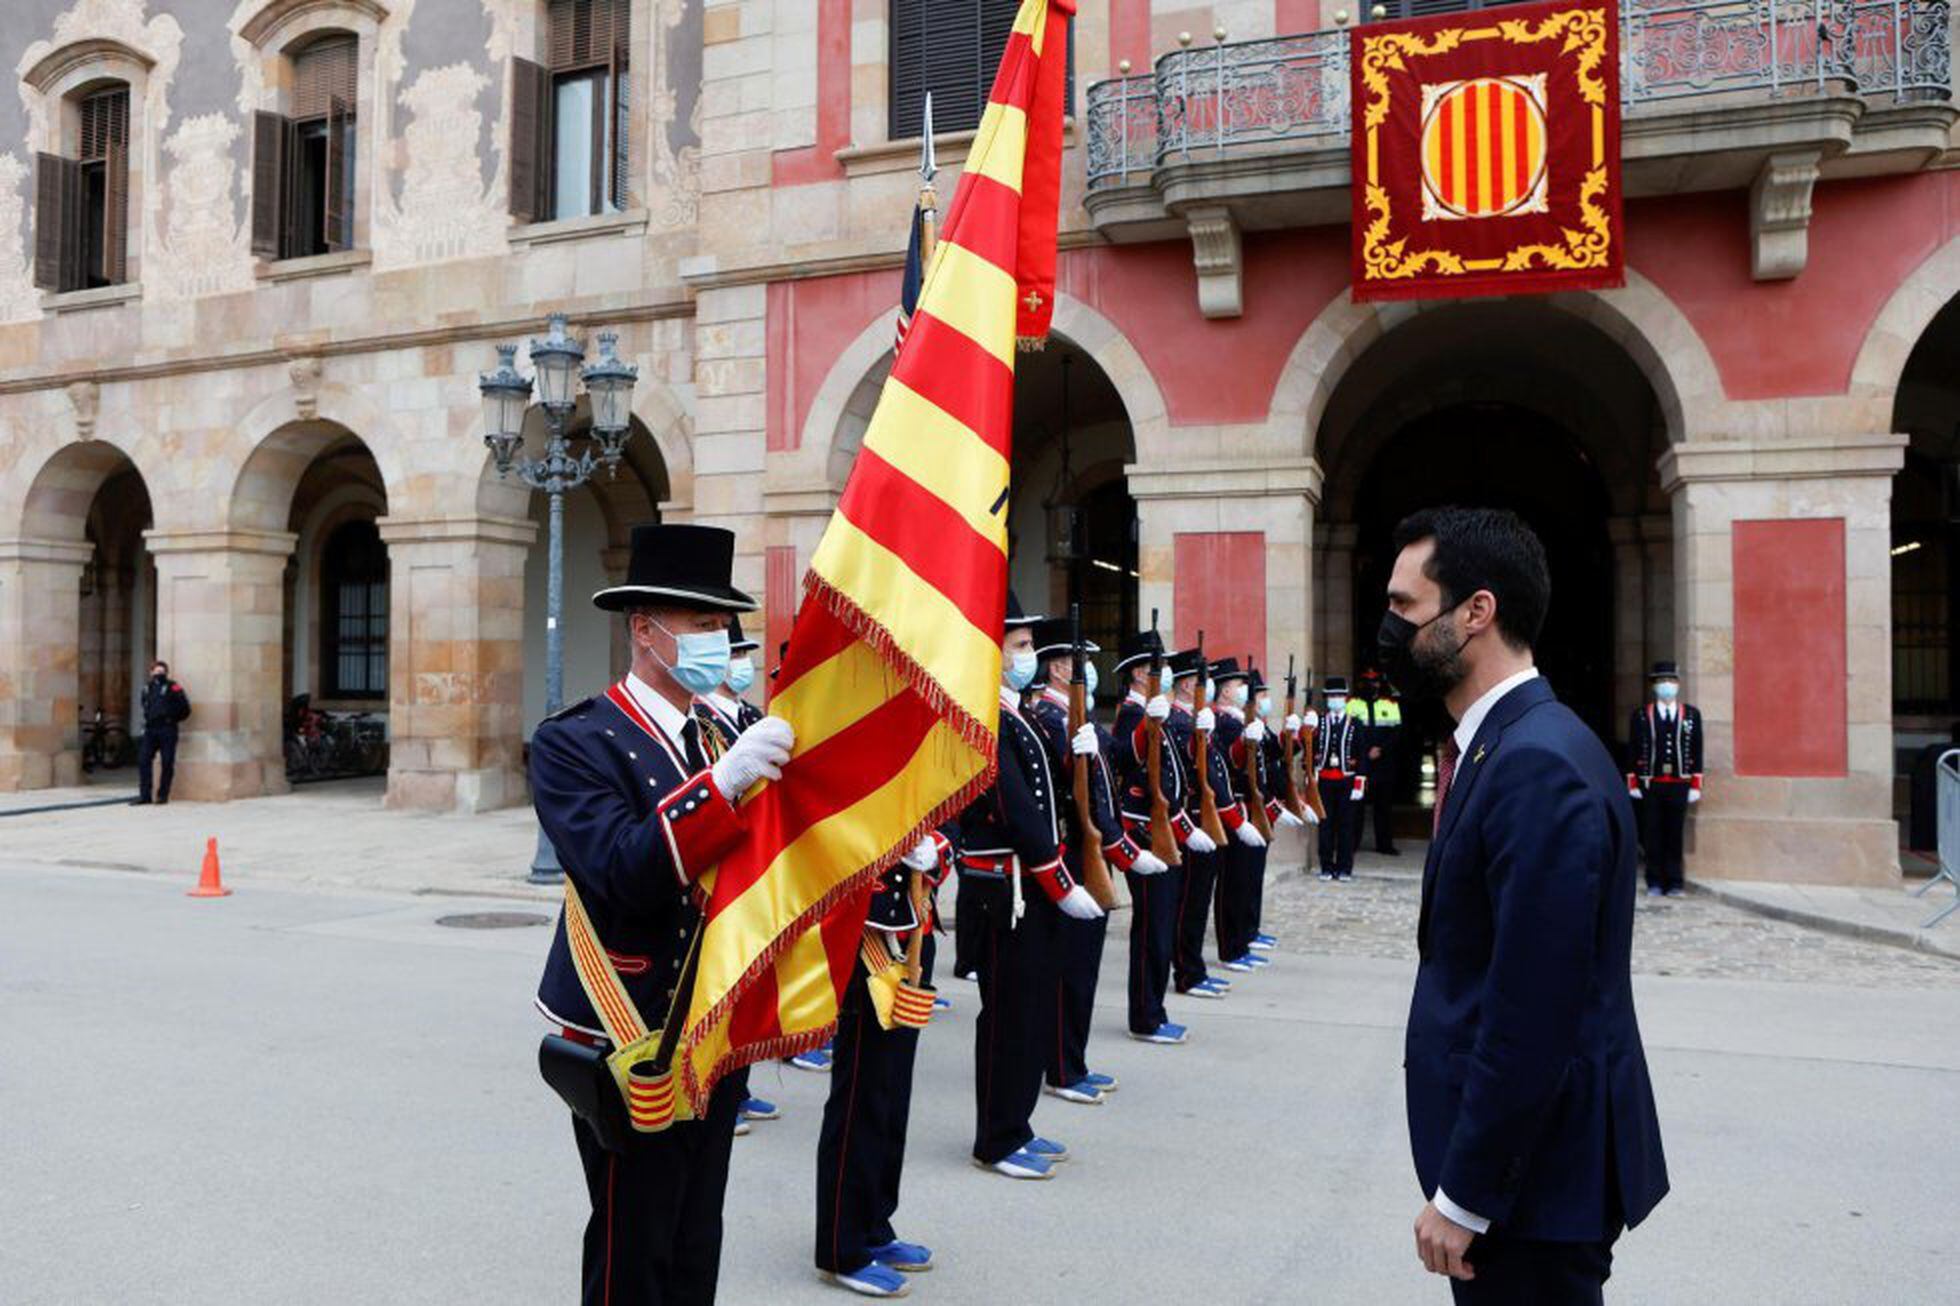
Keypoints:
pixel 1089 674
pixel 1021 668
pixel 741 674
pixel 1265 705
pixel 1667 691
pixel 700 659
pixel 1211 690
pixel 1235 695
pixel 1416 678
pixel 1337 704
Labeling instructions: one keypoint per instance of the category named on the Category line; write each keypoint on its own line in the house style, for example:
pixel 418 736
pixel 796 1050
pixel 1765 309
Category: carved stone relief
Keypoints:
pixel 445 210
pixel 206 250
pixel 19 300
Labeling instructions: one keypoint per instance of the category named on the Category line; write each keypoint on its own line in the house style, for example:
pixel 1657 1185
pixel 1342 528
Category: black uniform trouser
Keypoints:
pixel 861 1146
pixel 1381 799
pixel 1515 1270
pixel 1017 1012
pixel 654 1237
pixel 1193 910
pixel 1664 823
pixel 1153 935
pixel 1080 950
pixel 155 744
pixel 1238 886
pixel 1341 831
pixel 966 931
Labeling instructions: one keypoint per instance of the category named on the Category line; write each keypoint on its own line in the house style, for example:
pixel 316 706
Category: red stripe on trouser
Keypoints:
pixel 936 543
pixel 953 372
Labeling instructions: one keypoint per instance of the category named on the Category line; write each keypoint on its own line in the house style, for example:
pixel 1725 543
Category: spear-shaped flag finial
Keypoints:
pixel 928 162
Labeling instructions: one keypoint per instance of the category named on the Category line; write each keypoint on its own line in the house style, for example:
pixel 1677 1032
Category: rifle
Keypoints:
pixel 1201 754
pixel 1311 763
pixel 1289 794
pixel 1255 800
pixel 1095 871
pixel 1163 844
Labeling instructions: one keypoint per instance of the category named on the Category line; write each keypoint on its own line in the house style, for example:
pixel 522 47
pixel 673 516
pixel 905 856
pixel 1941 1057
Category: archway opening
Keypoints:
pixel 118 622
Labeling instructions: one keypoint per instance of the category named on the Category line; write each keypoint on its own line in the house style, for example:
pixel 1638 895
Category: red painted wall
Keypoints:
pixel 779 597
pixel 1129 35
pixel 809 324
pixel 1292 17
pixel 1789 647
pixel 1219 587
pixel 819 162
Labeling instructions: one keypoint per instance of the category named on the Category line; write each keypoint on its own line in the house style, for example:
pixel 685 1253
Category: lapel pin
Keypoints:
pixel 1479 756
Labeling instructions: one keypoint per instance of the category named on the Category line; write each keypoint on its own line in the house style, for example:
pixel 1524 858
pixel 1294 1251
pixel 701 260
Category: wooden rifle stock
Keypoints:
pixel 1255 799
pixel 1163 844
pixel 1311 762
pixel 1095 871
pixel 1289 793
pixel 1201 754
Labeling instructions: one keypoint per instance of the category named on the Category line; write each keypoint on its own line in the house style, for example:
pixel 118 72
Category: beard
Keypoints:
pixel 1436 657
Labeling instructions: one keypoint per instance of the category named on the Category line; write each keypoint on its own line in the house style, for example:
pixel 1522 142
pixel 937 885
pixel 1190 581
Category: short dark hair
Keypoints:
pixel 1485 549
pixel 159 662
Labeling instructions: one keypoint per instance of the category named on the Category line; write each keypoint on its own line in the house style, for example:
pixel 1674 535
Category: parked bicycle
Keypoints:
pixel 106 744
pixel 333 745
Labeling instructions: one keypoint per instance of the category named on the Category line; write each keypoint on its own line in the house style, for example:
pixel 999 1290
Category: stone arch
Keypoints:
pixel 280 440
pixel 1656 335
pixel 55 497
pixel 1900 324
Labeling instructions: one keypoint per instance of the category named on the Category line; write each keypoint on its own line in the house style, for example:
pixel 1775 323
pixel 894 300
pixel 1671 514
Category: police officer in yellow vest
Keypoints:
pixel 1380 714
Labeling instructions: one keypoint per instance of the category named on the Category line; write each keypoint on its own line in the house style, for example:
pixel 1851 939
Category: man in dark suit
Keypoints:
pixel 1530 1111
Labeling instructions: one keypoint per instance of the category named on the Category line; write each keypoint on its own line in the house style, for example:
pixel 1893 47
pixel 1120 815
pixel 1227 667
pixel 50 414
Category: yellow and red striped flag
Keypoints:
pixel 893 671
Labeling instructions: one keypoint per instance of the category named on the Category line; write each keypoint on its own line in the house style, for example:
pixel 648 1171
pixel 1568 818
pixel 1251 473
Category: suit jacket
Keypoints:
pixel 1528 1096
pixel 634 826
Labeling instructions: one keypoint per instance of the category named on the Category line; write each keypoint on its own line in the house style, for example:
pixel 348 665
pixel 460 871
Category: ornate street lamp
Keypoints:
pixel 506 398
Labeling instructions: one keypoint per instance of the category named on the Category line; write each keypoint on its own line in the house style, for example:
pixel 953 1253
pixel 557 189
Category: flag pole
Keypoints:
pixel 928 197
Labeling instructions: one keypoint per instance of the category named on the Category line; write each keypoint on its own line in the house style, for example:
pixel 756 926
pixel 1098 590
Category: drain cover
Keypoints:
pixel 493 920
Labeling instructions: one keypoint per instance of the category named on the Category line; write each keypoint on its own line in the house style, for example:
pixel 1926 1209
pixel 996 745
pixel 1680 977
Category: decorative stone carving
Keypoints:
pixel 303 371
pixel 1215 252
pixel 85 397
pixel 1779 215
pixel 205 249
pixel 674 197
pixel 19 301
pixel 445 211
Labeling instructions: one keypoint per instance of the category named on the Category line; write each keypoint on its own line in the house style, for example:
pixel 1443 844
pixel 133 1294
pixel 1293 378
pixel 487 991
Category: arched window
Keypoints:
pixel 81 199
pixel 354 613
pixel 952 49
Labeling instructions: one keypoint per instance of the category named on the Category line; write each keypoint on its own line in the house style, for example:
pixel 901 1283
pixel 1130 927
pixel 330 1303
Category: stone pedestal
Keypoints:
pixel 40 640
pixel 1785 813
pixel 456 662
pixel 220 625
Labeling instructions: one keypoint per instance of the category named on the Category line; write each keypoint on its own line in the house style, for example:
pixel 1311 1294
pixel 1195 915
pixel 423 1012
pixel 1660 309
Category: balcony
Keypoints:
pixel 1768 95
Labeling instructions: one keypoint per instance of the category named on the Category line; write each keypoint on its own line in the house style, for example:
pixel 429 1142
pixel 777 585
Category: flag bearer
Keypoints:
pixel 1338 756
pixel 1013 881
pixel 1202 855
pixel 639 799
pixel 1154 885
pixel 1666 776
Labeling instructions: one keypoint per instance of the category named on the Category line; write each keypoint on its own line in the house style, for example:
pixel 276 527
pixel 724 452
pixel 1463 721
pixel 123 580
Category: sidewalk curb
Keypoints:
pixel 1919 941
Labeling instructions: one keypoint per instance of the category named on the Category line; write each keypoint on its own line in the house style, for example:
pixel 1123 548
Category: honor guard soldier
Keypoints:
pixel 1378 709
pixel 638 798
pixel 1245 856
pixel 1069 1076
pixel 1154 883
pixel 1666 776
pixel 1202 855
pixel 165 707
pixel 1014 883
pixel 1272 784
pixel 861 1148
pixel 1343 785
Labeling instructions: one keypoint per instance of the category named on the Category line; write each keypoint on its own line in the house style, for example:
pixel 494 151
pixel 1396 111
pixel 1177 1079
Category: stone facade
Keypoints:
pixel 752 275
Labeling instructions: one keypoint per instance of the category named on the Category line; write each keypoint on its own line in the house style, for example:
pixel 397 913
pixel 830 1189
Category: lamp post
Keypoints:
pixel 506 398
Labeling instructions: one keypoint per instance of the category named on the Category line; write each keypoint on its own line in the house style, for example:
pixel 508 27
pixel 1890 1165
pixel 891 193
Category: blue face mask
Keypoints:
pixel 741 674
pixel 700 659
pixel 1265 705
pixel 1667 691
pixel 1020 669
pixel 1089 672
pixel 1337 705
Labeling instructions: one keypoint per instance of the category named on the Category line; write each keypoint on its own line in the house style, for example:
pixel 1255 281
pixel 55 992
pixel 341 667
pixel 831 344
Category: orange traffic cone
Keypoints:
pixel 209 883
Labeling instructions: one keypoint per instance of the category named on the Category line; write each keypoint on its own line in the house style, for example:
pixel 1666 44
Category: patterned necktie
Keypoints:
pixel 1445 773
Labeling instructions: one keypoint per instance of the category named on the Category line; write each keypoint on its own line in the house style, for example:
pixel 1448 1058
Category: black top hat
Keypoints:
pixel 1184 663
pixel 1140 647
pixel 1334 685
pixel 1665 671
pixel 1258 682
pixel 1015 617
pixel 1227 669
pixel 737 641
pixel 1051 639
pixel 685 566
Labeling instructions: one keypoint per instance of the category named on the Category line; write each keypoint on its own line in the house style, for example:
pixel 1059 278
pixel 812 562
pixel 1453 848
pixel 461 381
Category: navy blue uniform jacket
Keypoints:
pixel 1528 1095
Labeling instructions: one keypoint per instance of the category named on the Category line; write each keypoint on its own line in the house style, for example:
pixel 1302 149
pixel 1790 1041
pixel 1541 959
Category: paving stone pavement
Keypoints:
pixel 1374 915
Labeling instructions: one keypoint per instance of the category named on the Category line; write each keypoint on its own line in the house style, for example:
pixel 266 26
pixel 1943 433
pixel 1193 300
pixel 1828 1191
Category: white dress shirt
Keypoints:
pixel 1466 734
pixel 670 719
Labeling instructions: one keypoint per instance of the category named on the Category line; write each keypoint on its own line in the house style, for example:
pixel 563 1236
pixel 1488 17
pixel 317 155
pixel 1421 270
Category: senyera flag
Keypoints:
pixel 1487 152
pixel 893 670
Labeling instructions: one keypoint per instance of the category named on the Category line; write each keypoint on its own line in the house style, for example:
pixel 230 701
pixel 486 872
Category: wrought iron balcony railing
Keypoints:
pixel 1249 96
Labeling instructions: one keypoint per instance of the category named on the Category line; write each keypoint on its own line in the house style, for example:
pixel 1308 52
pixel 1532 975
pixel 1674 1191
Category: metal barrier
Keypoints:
pixel 1949 836
pixel 1245 96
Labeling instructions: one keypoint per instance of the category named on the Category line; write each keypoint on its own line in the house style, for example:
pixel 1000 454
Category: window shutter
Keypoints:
pixel 323 72
pixel 616 85
pixel 115 214
pixel 269 137
pixel 906 64
pixel 529 152
pixel 583 33
pixel 50 218
pixel 337 222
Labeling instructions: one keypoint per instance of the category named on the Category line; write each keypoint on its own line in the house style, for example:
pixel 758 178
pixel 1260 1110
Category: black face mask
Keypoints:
pixel 1416 678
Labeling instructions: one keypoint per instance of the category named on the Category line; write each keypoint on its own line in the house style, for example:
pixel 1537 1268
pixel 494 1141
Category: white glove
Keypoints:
pixel 1084 742
pixel 1360 789
pixel 924 857
pixel 1158 708
pixel 1206 720
pixel 1636 795
pixel 1289 821
pixel 1077 903
pixel 1149 863
pixel 758 753
pixel 1255 731
pixel 1312 720
pixel 1250 837
pixel 1292 724
pixel 1694 796
pixel 1200 842
pixel 1312 817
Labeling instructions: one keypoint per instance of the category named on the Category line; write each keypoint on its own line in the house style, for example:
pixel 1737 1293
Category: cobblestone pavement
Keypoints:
pixel 1374 915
